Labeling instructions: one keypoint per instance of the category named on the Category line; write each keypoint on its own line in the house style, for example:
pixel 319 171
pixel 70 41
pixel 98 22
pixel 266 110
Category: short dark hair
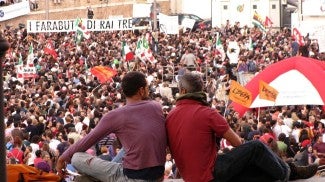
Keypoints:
pixel 38 153
pixel 132 82
pixel 282 137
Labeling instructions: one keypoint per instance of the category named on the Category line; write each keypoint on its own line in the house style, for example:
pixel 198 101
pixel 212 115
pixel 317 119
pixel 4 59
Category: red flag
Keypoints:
pixel 297 35
pixel 268 22
pixel 103 73
pixel 49 49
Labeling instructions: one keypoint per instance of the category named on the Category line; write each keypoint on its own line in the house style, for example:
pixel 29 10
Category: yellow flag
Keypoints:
pixel 267 92
pixel 240 94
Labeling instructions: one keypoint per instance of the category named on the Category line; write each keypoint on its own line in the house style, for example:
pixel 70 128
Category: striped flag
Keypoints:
pixel 30 57
pixel 250 46
pixel 258 22
pixel 20 60
pixel 143 51
pixel 81 31
pixel 219 47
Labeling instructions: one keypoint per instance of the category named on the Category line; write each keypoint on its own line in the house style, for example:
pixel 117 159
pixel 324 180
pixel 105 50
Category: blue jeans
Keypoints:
pixel 119 156
pixel 252 161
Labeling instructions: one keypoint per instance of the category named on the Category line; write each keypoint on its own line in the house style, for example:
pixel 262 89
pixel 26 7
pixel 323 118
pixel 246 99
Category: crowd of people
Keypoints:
pixel 64 102
pixel 32 3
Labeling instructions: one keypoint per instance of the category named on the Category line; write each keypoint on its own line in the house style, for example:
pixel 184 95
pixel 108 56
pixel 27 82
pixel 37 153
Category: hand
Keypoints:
pixel 60 167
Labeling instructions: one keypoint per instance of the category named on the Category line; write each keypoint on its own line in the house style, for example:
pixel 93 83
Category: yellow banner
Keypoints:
pixel 240 94
pixel 267 92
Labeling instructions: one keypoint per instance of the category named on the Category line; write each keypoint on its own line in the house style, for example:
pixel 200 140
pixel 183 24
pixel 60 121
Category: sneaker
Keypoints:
pixel 305 172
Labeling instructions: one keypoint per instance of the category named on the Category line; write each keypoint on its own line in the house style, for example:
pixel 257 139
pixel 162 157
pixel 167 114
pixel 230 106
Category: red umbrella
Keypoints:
pixel 103 73
pixel 298 80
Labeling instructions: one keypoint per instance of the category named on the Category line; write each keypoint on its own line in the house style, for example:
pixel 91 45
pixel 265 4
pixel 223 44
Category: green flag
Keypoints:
pixel 20 60
pixel 250 44
pixel 219 47
pixel 81 31
pixel 30 57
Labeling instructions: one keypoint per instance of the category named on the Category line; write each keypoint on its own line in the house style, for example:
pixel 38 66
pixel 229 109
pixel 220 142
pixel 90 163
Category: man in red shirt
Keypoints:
pixel 192 128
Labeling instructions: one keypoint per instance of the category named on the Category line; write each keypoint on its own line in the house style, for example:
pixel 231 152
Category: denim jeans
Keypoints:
pixel 252 161
pixel 119 156
pixel 102 170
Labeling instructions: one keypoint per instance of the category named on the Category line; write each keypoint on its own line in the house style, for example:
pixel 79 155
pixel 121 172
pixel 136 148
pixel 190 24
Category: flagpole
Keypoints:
pixel 4 46
pixel 154 15
pixel 226 106
pixel 258 114
pixel 92 93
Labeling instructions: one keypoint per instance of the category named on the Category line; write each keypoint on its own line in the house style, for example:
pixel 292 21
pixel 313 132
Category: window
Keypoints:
pixel 225 7
pixel 273 6
pixel 254 6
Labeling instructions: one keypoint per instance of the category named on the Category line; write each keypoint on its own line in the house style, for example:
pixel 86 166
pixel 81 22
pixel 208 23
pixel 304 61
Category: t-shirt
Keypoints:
pixel 63 146
pixel 319 147
pixel 17 154
pixel 282 147
pixel 139 126
pixel 192 129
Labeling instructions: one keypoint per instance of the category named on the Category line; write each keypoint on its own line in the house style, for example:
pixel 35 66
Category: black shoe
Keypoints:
pixel 305 172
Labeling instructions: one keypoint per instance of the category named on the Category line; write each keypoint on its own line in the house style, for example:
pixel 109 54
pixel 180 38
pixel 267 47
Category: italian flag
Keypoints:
pixel 20 60
pixel 143 51
pixel 250 46
pixel 219 47
pixel 81 31
pixel 126 53
pixel 30 58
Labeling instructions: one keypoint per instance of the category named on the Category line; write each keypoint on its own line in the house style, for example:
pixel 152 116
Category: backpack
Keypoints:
pixel 13 159
pixel 25 173
pixel 251 66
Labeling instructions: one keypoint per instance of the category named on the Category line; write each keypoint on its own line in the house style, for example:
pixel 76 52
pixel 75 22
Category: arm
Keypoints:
pixel 102 129
pixel 232 137
pixel 318 154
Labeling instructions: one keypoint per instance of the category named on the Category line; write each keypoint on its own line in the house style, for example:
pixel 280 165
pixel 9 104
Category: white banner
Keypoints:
pixel 315 30
pixel 313 8
pixel 141 10
pixel 24 72
pixel 188 23
pixel 168 24
pixel 35 26
pixel 14 10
